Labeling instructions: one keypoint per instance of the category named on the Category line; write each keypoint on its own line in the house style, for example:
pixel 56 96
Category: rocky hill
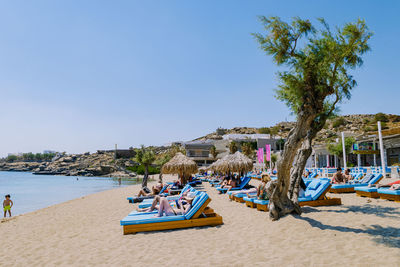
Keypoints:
pixel 359 124
pixel 102 163
pixel 95 164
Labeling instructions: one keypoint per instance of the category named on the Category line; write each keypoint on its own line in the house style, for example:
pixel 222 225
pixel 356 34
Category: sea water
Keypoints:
pixel 32 192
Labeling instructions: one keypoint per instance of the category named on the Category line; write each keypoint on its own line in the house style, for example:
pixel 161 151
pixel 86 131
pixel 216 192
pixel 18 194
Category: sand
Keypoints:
pixel 86 232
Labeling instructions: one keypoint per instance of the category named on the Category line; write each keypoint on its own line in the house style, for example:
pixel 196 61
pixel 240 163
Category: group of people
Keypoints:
pixel 165 207
pixel 229 182
pixel 341 178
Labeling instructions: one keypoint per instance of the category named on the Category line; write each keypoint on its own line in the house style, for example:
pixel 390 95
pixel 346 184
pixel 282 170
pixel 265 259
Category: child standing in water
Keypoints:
pixel 7 204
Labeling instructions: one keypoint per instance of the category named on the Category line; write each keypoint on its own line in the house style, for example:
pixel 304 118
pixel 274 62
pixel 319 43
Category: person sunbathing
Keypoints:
pixel 347 175
pixel 231 184
pixel 183 205
pixel 246 191
pixel 306 174
pixel 338 177
pixel 395 187
pixel 155 190
pixel 262 188
pixel 385 185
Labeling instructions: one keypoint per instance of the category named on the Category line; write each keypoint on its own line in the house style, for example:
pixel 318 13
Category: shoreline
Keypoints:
pixel 86 231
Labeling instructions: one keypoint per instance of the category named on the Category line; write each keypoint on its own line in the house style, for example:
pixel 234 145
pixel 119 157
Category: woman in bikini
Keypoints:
pixel 183 205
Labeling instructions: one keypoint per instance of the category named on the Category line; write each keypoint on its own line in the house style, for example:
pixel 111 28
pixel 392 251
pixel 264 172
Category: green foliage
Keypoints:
pixel 248 149
pixel 11 158
pixel 381 117
pixel 318 60
pixel 145 156
pixel 214 152
pixel 31 157
pixel 274 159
pixel 338 122
pixel 140 169
pixel 269 130
pixel 163 158
pixel 264 130
pixel 233 147
pixel 337 148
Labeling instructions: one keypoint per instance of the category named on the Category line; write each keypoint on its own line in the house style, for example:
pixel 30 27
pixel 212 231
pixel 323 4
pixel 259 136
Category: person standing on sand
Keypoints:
pixel 119 181
pixel 7 205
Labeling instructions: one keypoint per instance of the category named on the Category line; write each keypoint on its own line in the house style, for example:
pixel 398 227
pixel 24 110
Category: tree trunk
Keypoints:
pixel 146 176
pixel 296 173
pixel 279 202
pixel 301 159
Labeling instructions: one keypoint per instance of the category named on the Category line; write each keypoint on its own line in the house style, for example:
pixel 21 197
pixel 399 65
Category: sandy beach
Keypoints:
pixel 86 232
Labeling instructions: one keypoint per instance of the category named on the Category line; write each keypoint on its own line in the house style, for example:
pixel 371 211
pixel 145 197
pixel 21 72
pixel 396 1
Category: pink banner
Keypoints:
pixel 260 155
pixel 268 152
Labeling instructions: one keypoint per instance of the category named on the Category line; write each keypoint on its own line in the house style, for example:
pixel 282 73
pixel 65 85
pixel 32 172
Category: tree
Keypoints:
pixel 274 159
pixel 337 148
pixel 11 158
pixel 213 151
pixel 247 149
pixel 316 79
pixel 264 130
pixel 233 147
pixel 145 157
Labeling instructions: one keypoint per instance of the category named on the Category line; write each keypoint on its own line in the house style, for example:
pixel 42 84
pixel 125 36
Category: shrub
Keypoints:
pixel 381 117
pixel 338 122
pixel 140 169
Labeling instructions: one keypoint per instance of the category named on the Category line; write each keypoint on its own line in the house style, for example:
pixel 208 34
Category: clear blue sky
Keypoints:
pixel 79 76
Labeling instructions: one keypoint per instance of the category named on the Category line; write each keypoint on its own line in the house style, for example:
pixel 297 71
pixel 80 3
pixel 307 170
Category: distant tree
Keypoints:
pixel 337 148
pixel 233 147
pixel 145 157
pixel 381 117
pixel 247 149
pixel 317 79
pixel 264 130
pixel 213 151
pixel 38 157
pixel 11 158
pixel 28 156
pixel 274 131
pixel 274 159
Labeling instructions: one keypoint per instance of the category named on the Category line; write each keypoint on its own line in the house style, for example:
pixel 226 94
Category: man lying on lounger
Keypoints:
pixel 260 190
pixel 393 186
pixel 155 190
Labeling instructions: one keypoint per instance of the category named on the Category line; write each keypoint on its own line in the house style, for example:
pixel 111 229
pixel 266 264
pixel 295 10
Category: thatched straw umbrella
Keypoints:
pixel 234 163
pixel 181 165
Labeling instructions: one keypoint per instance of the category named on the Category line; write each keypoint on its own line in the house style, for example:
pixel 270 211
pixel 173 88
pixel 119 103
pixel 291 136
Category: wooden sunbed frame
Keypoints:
pixel 348 190
pixel 323 200
pixel 389 197
pixel 367 194
pixel 205 216
pixel 250 204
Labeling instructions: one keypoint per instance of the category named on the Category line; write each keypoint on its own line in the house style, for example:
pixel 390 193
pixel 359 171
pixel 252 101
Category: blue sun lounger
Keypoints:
pixel 198 215
pixel 349 187
pixel 242 184
pixel 365 191
pixel 147 202
pixel 389 194
pixel 313 196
